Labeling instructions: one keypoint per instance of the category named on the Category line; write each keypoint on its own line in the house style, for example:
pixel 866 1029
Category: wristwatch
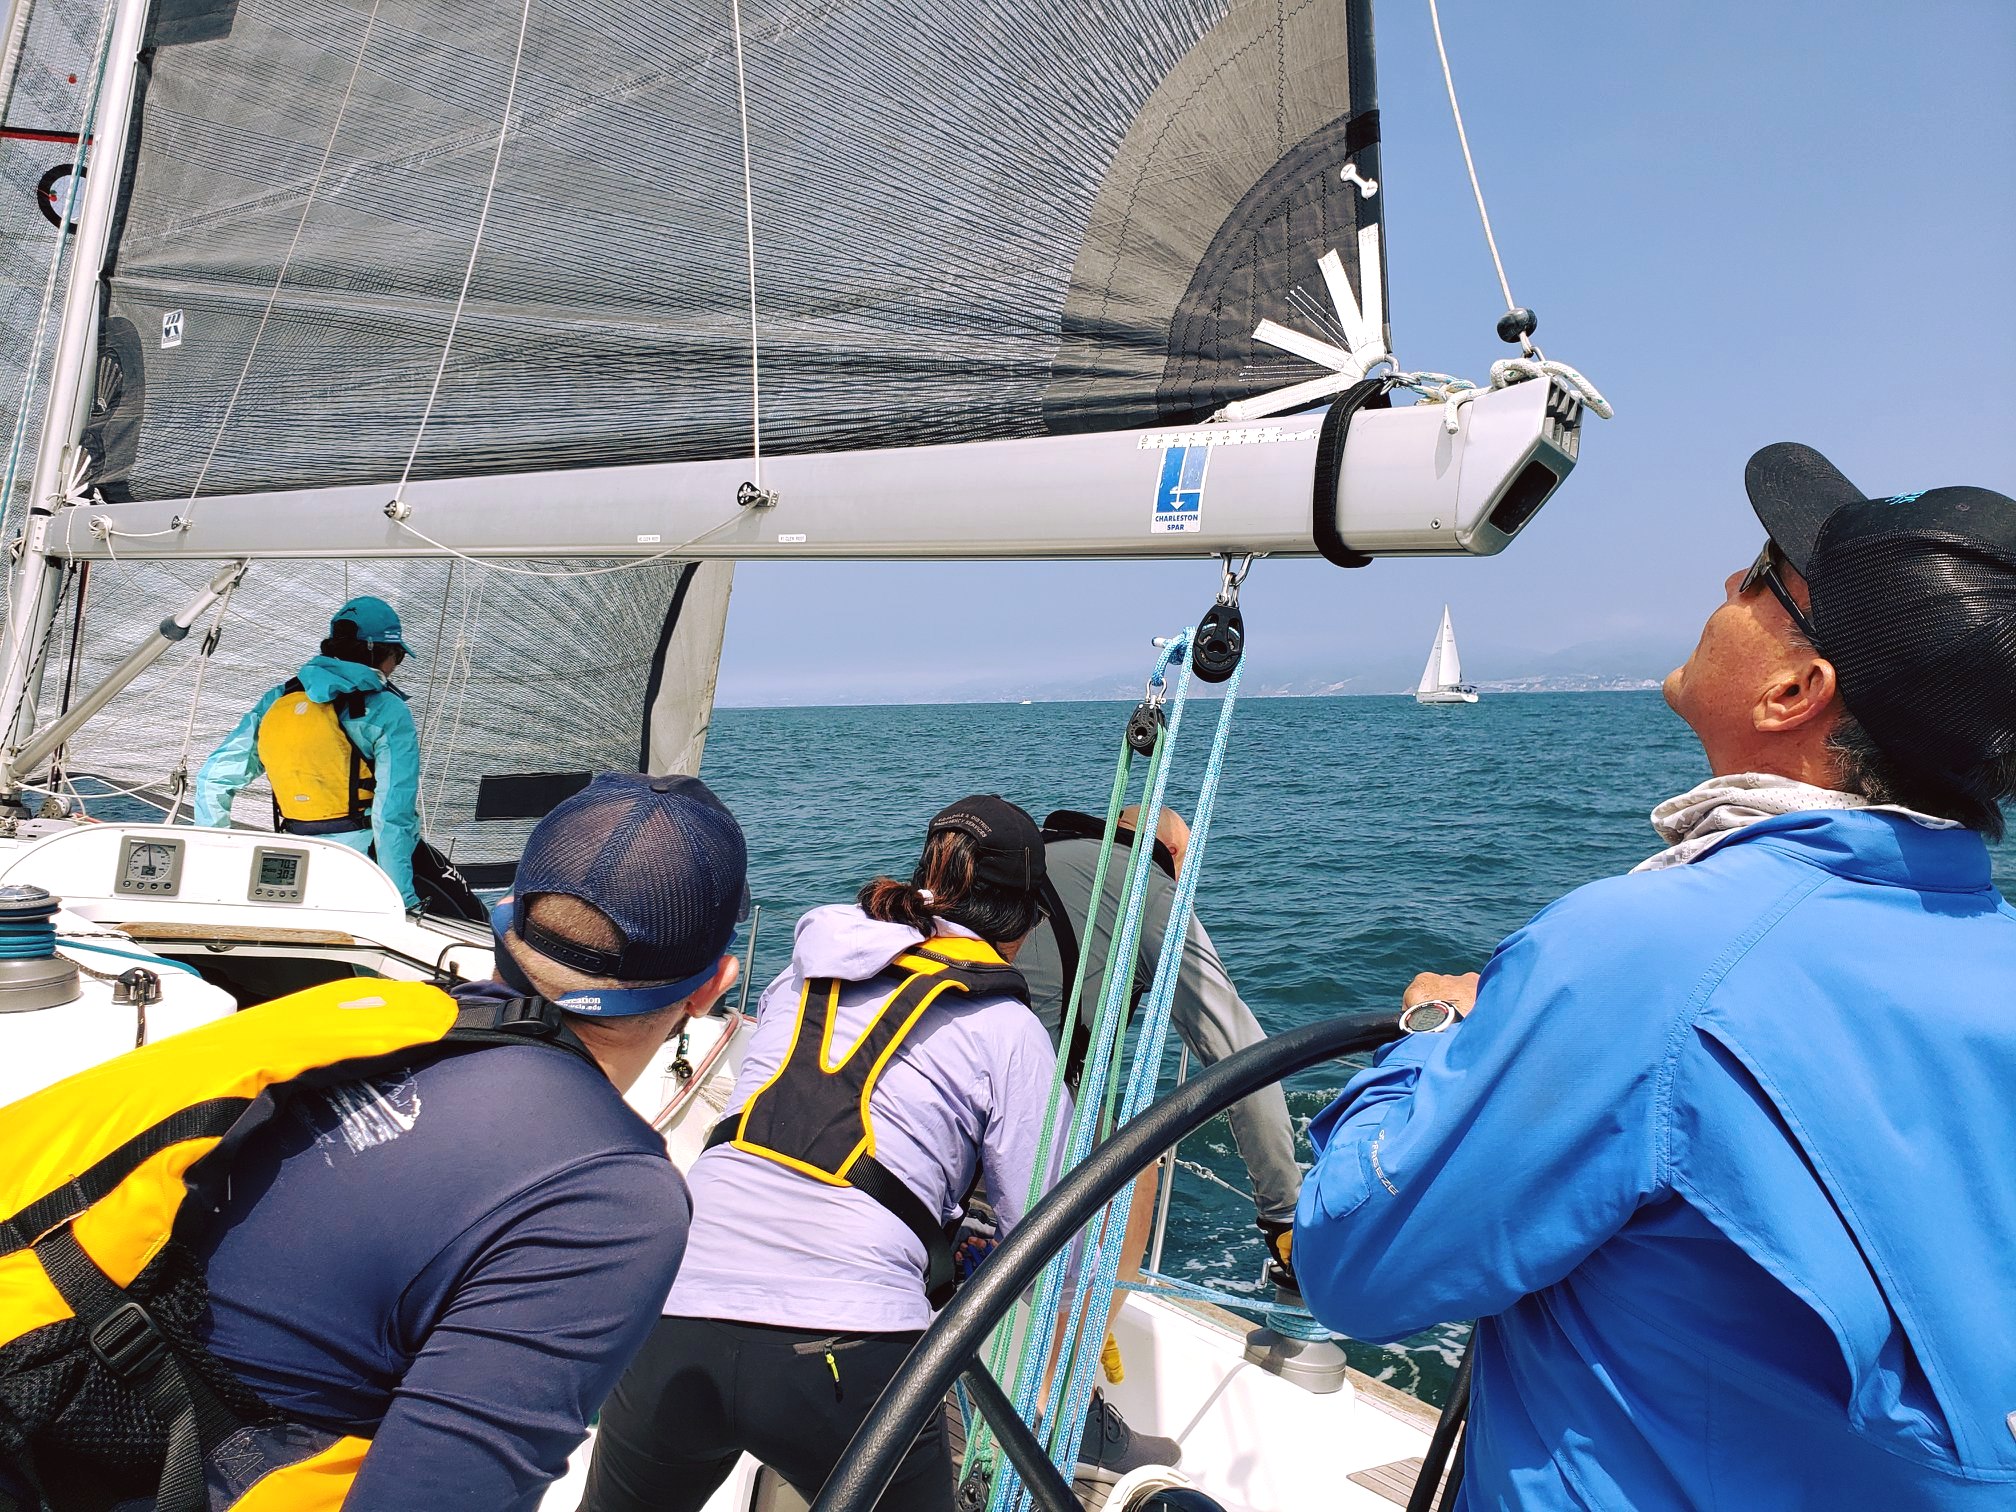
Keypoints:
pixel 1431 1017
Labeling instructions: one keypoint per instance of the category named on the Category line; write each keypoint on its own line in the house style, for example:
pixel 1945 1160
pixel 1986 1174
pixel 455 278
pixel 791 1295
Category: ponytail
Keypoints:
pixel 344 644
pixel 944 887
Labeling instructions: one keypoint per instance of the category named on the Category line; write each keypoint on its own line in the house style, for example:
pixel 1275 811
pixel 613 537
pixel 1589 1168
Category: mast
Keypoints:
pixel 13 36
pixel 33 604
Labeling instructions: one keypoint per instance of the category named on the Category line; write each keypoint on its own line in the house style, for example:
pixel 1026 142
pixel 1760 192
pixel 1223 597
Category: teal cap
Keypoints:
pixel 374 619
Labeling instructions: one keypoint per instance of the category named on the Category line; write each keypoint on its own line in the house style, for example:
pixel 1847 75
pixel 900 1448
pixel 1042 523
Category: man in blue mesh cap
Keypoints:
pixel 456 1263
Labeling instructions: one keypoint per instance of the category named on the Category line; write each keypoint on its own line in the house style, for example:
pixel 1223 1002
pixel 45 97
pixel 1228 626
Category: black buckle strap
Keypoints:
pixel 1367 393
pixel 127 1343
pixel 126 1338
pixel 870 1176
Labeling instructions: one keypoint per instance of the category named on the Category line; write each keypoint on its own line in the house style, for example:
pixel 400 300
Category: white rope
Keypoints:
pixel 461 668
pixel 749 240
pixel 178 780
pixel 475 250
pixel 1477 189
pixel 273 294
pixel 1453 392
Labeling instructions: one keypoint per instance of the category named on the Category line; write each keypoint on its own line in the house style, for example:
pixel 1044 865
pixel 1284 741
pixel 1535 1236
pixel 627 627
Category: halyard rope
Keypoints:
pixel 1477 189
pixel 280 277
pixel 749 239
pixel 475 251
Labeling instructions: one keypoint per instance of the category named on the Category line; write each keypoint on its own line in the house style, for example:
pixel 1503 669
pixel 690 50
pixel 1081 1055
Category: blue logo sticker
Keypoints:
pixel 1910 498
pixel 1179 494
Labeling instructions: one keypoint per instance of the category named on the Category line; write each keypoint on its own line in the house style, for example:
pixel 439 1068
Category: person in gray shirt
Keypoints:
pixel 1207 1013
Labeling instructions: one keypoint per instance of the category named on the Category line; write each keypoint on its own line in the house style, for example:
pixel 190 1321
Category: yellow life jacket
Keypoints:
pixel 319 776
pixel 812 1116
pixel 100 1303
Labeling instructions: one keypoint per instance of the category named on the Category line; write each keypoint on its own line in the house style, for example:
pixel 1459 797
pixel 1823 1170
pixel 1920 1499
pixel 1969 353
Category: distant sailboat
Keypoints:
pixel 1442 679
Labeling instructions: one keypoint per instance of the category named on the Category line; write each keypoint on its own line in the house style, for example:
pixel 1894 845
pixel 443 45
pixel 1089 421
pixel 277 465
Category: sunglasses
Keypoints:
pixel 1765 570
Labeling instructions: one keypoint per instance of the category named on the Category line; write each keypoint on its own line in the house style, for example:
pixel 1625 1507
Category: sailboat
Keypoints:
pixel 1442 679
pixel 535 319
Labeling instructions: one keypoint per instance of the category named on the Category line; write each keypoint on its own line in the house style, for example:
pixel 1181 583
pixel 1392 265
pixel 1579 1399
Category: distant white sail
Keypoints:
pixel 1442 679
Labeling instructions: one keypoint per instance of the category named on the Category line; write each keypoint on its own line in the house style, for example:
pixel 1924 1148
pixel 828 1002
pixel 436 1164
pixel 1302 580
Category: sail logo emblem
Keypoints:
pixel 171 329
pixel 1179 493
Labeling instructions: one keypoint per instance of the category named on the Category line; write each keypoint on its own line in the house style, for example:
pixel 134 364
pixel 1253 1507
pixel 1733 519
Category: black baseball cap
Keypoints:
pixel 1914 603
pixel 660 857
pixel 1008 847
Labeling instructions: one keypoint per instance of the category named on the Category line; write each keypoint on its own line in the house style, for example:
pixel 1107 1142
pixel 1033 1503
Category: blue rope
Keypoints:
pixel 130 955
pixel 1096 1286
pixel 31 939
pixel 1113 1006
pixel 1290 1322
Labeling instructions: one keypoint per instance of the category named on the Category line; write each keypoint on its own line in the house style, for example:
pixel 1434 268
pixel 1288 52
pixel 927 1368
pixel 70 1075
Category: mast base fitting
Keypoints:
pixel 1515 325
pixel 1144 728
pixel 1220 644
pixel 754 496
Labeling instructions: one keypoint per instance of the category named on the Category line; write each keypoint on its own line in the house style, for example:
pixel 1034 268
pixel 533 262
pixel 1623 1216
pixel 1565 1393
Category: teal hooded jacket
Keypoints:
pixel 385 735
pixel 1725 1162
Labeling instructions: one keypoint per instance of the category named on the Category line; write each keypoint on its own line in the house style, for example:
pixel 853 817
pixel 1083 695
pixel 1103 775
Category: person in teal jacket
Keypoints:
pixel 338 743
pixel 1718 1153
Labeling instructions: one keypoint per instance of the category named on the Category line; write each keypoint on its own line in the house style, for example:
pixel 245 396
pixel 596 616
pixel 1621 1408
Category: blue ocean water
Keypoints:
pixel 1358 841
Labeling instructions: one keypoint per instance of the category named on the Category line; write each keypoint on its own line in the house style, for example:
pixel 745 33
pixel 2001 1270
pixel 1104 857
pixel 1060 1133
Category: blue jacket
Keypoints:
pixel 1725 1162
pixel 385 735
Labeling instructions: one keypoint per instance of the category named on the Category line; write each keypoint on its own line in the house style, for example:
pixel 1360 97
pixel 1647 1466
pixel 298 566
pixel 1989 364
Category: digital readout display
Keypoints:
pixel 279 871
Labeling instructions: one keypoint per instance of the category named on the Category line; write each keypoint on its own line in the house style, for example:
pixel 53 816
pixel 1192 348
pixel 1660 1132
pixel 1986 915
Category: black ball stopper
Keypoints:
pixel 1514 326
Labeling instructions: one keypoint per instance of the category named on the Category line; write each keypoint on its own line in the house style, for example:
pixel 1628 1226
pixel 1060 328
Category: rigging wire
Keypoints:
pixel 749 241
pixel 1477 189
pixel 475 251
pixel 286 261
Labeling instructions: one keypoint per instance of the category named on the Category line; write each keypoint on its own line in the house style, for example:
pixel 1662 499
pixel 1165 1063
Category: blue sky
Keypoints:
pixel 1745 220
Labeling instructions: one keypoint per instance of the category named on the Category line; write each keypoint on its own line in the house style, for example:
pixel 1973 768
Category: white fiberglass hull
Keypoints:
pixel 1446 696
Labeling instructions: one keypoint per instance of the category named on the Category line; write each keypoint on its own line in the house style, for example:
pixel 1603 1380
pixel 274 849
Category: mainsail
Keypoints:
pixel 975 220
pixel 982 221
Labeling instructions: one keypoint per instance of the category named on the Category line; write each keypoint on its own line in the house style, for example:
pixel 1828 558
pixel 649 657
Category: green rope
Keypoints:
pixel 980 1445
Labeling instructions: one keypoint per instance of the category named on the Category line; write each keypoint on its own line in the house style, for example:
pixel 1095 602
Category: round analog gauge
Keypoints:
pixel 149 863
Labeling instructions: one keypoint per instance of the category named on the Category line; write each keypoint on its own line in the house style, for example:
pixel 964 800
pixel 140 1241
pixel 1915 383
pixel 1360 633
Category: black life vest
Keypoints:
pixel 812 1117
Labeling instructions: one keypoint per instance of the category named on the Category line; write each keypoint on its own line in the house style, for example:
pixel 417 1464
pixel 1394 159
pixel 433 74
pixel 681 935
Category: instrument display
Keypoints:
pixel 279 875
pixel 149 868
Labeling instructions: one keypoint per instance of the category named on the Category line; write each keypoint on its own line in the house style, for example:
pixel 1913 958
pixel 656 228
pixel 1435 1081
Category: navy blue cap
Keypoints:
pixel 660 857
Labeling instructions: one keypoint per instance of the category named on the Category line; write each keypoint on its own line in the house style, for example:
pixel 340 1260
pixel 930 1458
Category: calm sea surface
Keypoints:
pixel 1357 841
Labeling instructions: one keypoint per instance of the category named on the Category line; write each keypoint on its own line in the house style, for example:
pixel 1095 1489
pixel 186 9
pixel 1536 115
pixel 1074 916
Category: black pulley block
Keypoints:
pixel 1220 642
pixel 1514 326
pixel 1144 727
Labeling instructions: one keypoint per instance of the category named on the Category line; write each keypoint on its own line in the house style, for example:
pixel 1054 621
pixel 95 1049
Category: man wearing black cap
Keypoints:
pixel 456 1263
pixel 1718 1152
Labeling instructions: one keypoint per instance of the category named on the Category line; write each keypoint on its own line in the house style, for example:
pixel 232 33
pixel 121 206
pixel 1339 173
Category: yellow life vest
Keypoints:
pixel 317 772
pixel 98 1300
pixel 812 1115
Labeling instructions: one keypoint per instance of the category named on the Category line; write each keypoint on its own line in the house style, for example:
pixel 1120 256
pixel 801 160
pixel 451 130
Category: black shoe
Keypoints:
pixel 1109 1449
pixel 1279 1239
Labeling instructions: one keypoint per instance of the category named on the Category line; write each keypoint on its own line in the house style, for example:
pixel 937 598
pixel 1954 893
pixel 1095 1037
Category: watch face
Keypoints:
pixel 1426 1018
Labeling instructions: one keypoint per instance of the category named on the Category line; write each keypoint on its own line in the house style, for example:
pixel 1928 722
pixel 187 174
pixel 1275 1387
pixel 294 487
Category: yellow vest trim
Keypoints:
pixel 316 1484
